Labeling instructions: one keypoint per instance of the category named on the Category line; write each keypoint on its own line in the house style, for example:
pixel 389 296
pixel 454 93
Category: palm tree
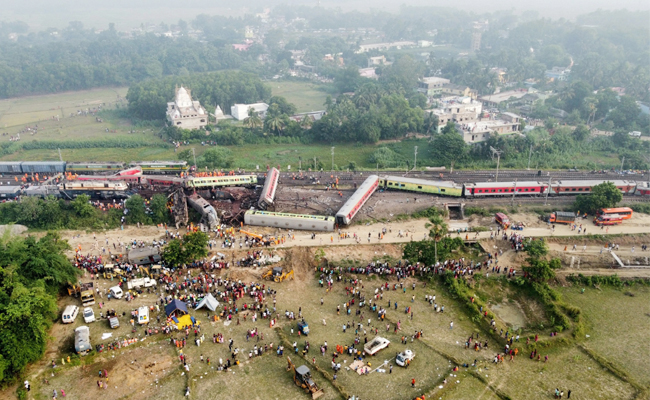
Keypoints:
pixel 253 120
pixel 275 124
pixel 437 230
pixel 431 121
pixel 306 122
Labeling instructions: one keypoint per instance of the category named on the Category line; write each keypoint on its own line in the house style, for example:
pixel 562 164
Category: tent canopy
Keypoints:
pixel 175 305
pixel 208 301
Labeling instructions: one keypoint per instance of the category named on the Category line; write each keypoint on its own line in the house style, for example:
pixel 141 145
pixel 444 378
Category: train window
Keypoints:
pixel 442 190
pixel 573 189
pixel 419 187
pixel 500 190
pixel 492 190
pixel 390 183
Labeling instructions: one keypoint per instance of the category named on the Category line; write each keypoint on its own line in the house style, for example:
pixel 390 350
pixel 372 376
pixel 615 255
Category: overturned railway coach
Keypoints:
pixel 358 199
pixel 289 221
pixel 268 191
pixel 216 181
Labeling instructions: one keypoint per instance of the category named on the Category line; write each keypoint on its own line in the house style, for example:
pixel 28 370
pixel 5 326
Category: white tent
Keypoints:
pixel 208 301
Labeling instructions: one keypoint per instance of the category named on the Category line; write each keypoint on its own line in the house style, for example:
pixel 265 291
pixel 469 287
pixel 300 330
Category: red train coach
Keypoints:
pixel 585 186
pixel 495 189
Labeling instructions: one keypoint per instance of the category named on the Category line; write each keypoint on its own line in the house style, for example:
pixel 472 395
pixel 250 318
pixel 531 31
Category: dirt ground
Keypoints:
pixel 382 205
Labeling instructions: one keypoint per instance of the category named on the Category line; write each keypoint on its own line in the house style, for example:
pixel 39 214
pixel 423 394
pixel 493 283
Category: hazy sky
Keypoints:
pixel 40 14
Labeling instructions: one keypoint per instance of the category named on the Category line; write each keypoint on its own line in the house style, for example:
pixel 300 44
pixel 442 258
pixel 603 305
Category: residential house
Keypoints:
pixel 432 85
pixel 480 131
pixel 493 100
pixel 378 60
pixel 459 90
pixel 369 73
pixel 557 74
pixel 458 110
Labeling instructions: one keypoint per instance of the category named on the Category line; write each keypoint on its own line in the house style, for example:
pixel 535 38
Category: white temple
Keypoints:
pixel 186 113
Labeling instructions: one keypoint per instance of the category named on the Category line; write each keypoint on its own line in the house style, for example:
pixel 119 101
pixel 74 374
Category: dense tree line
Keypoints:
pixel 104 60
pixel 148 100
pixel 52 213
pixel 32 271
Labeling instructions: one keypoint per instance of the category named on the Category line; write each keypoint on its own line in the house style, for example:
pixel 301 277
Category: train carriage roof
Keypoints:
pixel 504 184
pixel 448 184
pixel 591 183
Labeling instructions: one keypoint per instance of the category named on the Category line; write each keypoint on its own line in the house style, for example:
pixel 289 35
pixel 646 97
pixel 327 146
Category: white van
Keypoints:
pixel 116 292
pixel 69 314
pixel 143 315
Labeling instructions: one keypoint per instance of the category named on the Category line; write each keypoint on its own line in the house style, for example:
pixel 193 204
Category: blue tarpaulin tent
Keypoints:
pixel 175 308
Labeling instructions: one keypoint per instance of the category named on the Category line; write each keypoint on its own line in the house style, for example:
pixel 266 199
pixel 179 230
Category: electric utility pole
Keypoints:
pixel 415 161
pixel 498 154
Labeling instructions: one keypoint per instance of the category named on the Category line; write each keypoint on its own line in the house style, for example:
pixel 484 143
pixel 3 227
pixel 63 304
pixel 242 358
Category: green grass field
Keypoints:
pixel 246 156
pixel 306 96
pixel 618 322
pixel 33 109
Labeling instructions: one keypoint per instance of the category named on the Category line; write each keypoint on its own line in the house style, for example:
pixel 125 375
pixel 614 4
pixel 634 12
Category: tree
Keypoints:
pixel 536 248
pixel 158 208
pixel 347 80
pixel 253 121
pixel 626 114
pixel 580 133
pixel 186 155
pixel 218 157
pixel 431 122
pixel 605 195
pixel 284 107
pixel 190 247
pixel 437 230
pixel 136 210
pixel 448 148
pixel 274 124
pixel 32 272
pixel 540 270
pixel 82 206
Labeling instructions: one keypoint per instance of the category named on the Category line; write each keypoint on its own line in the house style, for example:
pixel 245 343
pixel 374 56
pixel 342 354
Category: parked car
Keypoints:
pixel 404 357
pixel 89 315
pixel 82 340
pixel 69 314
pixel 114 322
pixel 116 292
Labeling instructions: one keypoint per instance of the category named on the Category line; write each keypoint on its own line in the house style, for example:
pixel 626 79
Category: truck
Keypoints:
pixel 87 298
pixel 140 282
pixel 560 217
pixel 375 345
pixel 143 315
pixel 82 340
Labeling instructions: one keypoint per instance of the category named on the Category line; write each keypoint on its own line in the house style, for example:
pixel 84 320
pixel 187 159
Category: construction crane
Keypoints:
pixel 302 378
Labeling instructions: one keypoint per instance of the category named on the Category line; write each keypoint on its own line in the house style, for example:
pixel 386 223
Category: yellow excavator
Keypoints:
pixel 302 378
pixel 286 275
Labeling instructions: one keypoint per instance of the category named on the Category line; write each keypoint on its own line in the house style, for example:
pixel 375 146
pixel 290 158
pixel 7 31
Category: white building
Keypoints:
pixel 240 111
pixel 186 113
pixel 458 110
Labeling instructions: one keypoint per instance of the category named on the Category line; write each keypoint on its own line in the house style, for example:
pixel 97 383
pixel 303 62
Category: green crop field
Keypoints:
pixel 306 96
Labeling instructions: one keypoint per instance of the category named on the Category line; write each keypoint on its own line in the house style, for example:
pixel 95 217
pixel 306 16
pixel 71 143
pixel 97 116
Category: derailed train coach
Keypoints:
pixel 441 188
pixel 358 199
pixel 289 221
pixel 268 191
